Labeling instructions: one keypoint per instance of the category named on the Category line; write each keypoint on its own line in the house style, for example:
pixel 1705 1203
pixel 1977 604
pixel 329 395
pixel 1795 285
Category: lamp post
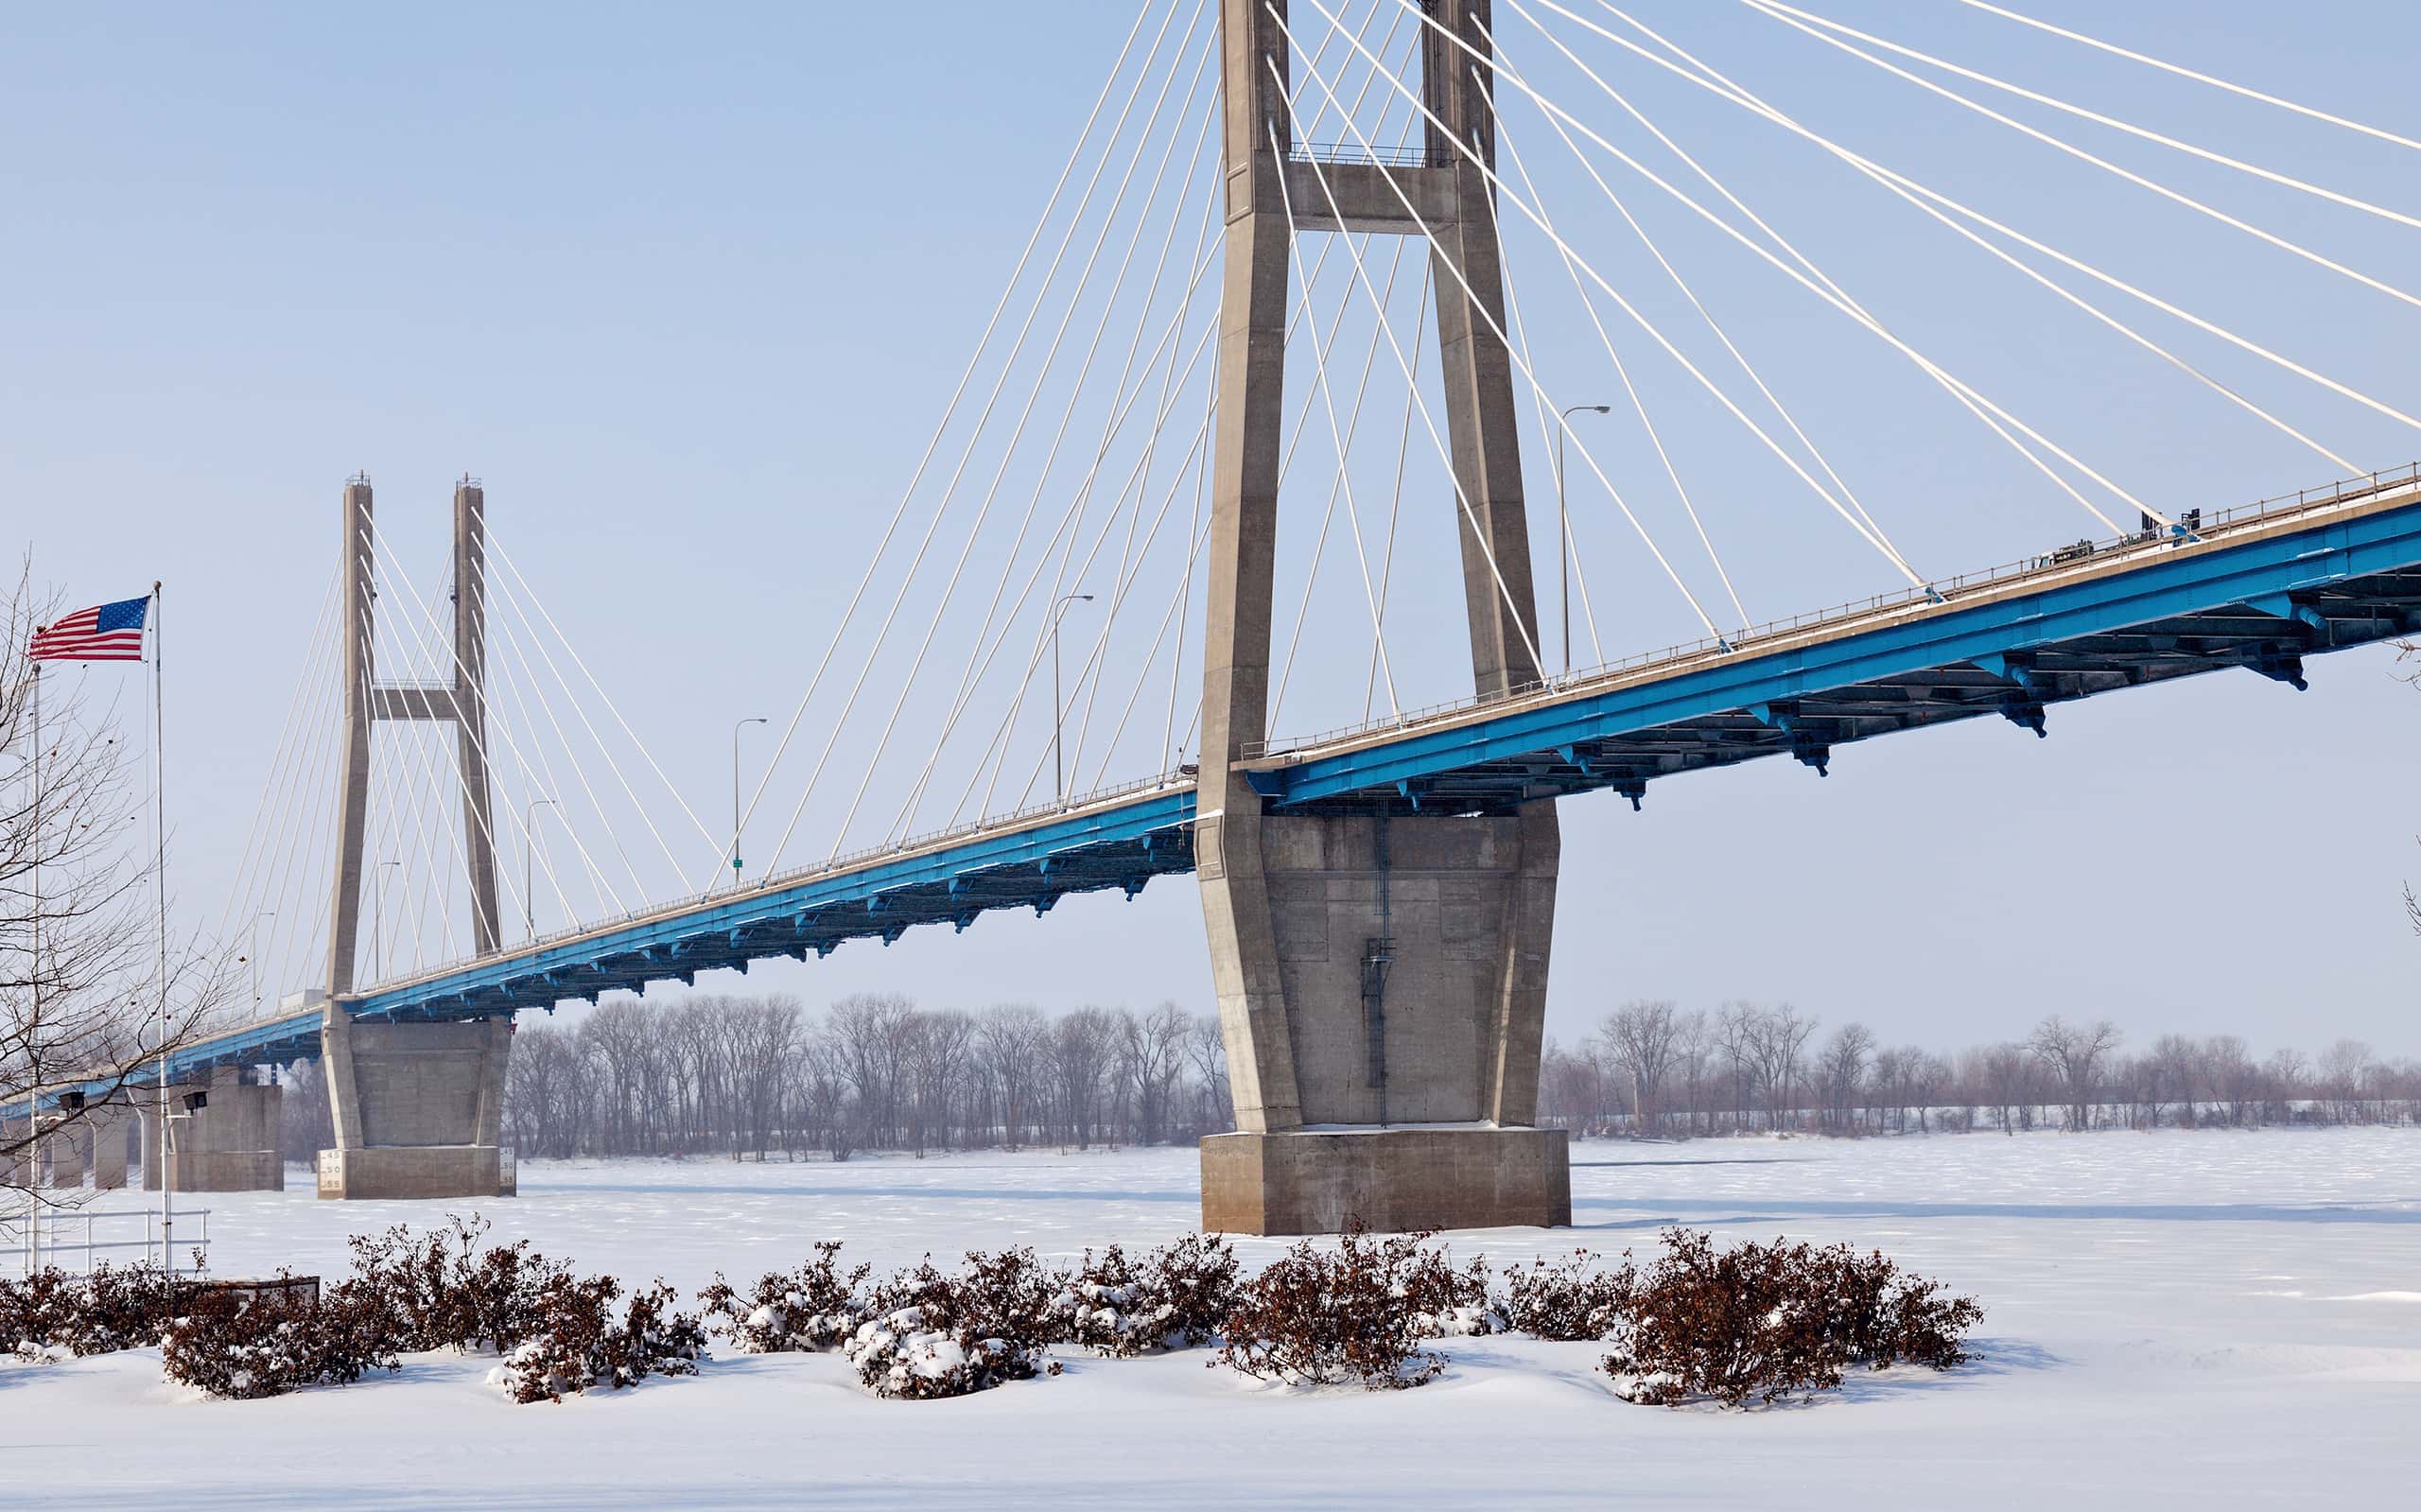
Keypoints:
pixel 735 792
pixel 529 853
pixel 1058 776
pixel 256 959
pixel 377 919
pixel 1564 523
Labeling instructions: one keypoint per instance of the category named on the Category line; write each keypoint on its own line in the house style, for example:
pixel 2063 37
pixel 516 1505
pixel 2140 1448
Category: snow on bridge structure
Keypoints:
pixel 1378 901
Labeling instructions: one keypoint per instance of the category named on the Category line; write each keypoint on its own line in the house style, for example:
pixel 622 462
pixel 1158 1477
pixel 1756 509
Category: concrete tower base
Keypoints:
pixel 419 1110
pixel 1388 1180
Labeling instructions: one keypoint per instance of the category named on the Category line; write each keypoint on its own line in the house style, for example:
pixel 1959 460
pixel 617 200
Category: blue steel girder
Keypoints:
pixel 2263 594
pixel 2171 610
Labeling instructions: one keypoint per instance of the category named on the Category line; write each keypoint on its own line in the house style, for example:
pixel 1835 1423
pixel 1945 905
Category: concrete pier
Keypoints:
pixel 227 1143
pixel 419 1108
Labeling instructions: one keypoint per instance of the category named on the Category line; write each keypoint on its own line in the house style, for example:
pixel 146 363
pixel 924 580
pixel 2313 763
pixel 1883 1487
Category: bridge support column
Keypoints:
pixel 419 1108
pixel 222 1137
pixel 109 1126
pixel 1382 974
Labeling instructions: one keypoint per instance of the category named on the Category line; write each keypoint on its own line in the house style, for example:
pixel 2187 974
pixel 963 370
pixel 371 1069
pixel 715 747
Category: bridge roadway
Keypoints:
pixel 2260 587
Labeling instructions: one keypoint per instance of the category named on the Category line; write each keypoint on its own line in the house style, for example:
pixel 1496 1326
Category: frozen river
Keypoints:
pixel 2231 1317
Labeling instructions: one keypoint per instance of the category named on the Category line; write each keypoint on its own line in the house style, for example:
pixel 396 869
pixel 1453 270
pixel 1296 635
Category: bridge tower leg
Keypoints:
pixel 418 1107
pixel 1382 975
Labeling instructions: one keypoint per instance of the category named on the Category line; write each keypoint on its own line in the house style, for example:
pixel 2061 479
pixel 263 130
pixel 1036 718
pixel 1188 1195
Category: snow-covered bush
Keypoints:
pixel 1568 1298
pixel 1175 1297
pixel 51 1314
pixel 446 1290
pixel 578 1346
pixel 926 1334
pixel 1356 1313
pixel 229 1345
pixel 1762 1323
pixel 815 1307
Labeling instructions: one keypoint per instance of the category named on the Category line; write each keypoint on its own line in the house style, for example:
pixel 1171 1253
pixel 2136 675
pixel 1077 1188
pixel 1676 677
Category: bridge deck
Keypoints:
pixel 2261 588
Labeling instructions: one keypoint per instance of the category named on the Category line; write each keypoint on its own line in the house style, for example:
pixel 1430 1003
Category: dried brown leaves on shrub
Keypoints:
pixel 817 1307
pixel 579 1346
pixel 231 1345
pixel 1173 1297
pixel 1352 1314
pixel 928 1334
pixel 116 1306
pixel 1570 1298
pixel 1762 1323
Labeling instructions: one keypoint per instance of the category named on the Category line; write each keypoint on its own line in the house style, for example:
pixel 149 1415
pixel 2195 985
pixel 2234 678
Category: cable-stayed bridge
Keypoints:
pixel 1090 572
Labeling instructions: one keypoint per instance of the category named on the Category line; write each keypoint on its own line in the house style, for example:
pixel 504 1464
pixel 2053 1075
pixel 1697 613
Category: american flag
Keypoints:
pixel 105 633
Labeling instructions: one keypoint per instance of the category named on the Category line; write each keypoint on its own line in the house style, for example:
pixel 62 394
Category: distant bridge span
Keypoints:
pixel 2261 588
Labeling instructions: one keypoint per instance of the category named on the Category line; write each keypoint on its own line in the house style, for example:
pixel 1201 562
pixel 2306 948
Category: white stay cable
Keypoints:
pixel 1171 756
pixel 975 532
pixel 1841 299
pixel 1092 688
pixel 603 697
pixel 424 661
pixel 410 783
pixel 1121 585
pixel 1479 307
pixel 1339 438
pixel 1790 19
pixel 1780 453
pixel 307 842
pixel 287 752
pixel 949 411
pixel 2198 77
pixel 1967 392
pixel 394 573
pixel 1171 616
pixel 283 821
pixel 1622 371
pixel 1690 293
pixel 600 886
pixel 1994 416
pixel 1124 586
pixel 941 507
pixel 1395 500
pixel 1742 97
pixel 2144 133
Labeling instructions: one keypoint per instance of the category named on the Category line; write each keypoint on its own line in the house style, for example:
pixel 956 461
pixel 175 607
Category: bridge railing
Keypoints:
pixel 2197 525
pixel 1180 776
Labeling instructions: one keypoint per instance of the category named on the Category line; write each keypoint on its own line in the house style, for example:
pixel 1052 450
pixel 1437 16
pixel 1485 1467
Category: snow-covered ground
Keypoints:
pixel 2232 1318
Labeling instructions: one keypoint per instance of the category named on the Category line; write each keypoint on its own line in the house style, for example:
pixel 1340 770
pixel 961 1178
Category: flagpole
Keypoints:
pixel 33 1034
pixel 160 865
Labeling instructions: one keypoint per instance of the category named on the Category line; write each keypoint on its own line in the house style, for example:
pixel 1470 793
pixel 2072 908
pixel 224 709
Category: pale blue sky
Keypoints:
pixel 688 288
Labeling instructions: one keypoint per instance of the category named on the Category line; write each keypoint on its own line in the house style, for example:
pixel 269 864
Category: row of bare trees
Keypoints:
pixel 1651 1067
pixel 762 1076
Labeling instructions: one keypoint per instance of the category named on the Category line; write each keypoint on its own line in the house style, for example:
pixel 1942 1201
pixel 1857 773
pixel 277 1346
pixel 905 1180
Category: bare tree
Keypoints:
pixel 2075 1055
pixel 1841 1068
pixel 1640 1039
pixel 90 992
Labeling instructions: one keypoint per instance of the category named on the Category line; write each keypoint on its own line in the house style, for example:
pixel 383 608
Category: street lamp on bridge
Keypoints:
pixel 735 790
pixel 1058 776
pixel 529 852
pixel 1564 523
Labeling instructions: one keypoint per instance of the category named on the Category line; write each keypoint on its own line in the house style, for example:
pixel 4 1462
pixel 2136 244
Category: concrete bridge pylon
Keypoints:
pixel 418 1107
pixel 1381 974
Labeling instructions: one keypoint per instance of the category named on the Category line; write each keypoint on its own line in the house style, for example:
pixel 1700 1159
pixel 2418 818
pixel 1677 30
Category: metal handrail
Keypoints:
pixel 91 1246
pixel 1355 152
